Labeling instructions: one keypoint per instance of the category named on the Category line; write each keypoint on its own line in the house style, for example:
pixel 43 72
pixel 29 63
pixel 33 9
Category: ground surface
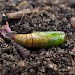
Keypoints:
pixel 50 61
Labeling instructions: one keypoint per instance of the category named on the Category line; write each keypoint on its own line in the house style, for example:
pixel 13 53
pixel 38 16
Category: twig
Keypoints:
pixel 23 52
pixel 19 14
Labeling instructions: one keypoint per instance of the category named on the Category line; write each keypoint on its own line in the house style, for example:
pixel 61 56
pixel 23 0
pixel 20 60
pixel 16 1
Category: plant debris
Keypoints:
pixel 19 14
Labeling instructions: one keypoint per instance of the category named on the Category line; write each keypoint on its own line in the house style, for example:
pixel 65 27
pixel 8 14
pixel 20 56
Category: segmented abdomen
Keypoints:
pixel 31 40
pixel 40 39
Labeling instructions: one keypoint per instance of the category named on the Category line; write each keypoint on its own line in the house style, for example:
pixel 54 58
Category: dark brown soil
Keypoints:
pixel 49 61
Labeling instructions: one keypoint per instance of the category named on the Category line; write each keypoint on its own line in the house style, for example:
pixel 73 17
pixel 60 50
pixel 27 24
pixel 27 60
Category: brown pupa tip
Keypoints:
pixel 13 37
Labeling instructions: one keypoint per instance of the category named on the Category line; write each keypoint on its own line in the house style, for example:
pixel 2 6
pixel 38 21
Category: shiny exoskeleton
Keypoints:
pixel 40 39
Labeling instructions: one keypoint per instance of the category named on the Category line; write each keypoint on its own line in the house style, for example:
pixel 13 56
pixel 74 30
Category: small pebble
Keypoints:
pixel 53 66
pixel 1 40
pixel 73 21
pixel 21 63
pixel 73 49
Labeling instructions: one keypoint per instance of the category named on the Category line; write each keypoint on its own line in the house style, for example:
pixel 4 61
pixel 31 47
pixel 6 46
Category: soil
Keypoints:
pixel 39 61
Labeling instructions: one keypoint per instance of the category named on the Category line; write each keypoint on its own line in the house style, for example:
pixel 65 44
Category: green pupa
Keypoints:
pixel 40 39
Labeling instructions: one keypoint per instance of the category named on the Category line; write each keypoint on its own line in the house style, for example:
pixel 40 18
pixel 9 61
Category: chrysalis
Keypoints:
pixel 40 39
